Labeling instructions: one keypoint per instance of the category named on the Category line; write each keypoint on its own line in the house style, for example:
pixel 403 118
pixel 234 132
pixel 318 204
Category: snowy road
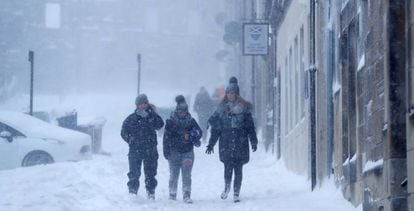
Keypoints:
pixel 100 183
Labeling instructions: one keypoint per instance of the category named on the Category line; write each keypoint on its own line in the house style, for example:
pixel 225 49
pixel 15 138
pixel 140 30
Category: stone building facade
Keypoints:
pixel 363 96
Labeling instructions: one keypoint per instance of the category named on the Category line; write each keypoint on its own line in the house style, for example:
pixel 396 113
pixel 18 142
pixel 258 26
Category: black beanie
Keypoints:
pixel 233 80
pixel 233 86
pixel 140 99
pixel 181 104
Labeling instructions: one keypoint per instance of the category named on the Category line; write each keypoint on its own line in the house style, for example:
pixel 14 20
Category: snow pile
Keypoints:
pixel 99 184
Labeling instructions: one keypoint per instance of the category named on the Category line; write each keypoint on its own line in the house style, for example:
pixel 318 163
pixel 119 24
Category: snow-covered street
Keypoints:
pixel 100 183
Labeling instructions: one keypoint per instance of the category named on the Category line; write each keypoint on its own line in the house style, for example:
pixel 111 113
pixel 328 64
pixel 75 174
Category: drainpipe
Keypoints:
pixel 312 91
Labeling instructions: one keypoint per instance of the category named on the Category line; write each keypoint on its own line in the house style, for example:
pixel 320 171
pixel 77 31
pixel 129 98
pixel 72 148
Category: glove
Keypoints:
pixel 194 137
pixel 210 149
pixel 254 148
pixel 167 156
pixel 130 140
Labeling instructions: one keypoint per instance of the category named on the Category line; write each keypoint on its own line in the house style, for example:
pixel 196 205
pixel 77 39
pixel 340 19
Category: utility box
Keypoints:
pixel 91 126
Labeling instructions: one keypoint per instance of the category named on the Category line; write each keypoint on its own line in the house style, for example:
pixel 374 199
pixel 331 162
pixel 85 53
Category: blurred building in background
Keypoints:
pixel 86 45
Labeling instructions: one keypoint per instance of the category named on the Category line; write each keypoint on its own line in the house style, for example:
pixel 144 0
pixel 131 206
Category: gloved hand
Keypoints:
pixel 167 156
pixel 131 140
pixel 254 148
pixel 194 137
pixel 210 149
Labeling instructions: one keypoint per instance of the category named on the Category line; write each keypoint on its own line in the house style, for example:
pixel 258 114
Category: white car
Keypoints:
pixel 28 141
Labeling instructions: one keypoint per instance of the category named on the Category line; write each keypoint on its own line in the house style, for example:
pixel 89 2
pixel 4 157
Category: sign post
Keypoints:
pixel 139 73
pixel 255 42
pixel 31 60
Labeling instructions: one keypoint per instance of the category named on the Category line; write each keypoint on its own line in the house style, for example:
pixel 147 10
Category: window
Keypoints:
pixel 14 132
pixel 296 84
pixel 291 94
pixel 302 71
pixel 285 87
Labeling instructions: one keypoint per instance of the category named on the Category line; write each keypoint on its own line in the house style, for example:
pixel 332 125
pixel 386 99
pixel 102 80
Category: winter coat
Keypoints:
pixel 232 125
pixel 175 130
pixel 203 104
pixel 139 130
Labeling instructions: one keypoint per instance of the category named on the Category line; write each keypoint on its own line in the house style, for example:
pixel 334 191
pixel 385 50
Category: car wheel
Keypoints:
pixel 37 158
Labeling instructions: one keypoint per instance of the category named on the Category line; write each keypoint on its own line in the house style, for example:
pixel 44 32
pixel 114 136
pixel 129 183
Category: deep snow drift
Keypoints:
pixel 100 183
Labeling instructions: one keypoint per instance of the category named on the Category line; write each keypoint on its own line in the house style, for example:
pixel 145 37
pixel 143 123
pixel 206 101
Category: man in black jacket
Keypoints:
pixel 138 130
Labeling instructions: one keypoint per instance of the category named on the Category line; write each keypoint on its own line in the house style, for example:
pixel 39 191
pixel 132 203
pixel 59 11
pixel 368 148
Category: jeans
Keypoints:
pixel 184 162
pixel 237 166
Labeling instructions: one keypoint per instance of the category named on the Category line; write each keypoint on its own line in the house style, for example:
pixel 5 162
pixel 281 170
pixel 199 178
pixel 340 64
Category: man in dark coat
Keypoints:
pixel 138 130
pixel 204 107
pixel 181 134
pixel 232 125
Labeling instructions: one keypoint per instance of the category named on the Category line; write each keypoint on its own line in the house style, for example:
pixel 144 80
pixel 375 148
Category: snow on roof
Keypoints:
pixel 33 127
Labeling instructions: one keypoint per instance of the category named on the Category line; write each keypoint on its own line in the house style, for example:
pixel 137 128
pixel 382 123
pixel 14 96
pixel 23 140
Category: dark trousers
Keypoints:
pixel 236 166
pixel 149 158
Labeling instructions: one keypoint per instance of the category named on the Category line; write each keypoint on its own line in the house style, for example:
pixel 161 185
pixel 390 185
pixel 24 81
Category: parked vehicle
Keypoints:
pixel 28 141
pixel 92 126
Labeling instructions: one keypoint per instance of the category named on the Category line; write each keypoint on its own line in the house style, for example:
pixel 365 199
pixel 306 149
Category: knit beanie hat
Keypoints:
pixel 233 80
pixel 181 104
pixel 141 99
pixel 233 86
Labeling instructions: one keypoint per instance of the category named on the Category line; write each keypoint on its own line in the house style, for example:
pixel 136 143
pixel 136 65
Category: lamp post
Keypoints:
pixel 31 60
pixel 139 73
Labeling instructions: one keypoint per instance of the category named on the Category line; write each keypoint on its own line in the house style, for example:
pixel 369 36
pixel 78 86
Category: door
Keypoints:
pixel 9 148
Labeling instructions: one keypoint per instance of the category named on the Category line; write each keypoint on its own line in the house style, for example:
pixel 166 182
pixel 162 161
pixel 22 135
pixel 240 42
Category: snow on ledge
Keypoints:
pixel 361 62
pixel 370 165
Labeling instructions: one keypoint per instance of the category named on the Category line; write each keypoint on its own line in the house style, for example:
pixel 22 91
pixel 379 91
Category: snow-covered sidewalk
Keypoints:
pixel 99 184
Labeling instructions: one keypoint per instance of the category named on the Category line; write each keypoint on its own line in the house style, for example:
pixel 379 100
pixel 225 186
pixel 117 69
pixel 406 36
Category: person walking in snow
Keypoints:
pixel 139 131
pixel 181 134
pixel 233 127
pixel 203 106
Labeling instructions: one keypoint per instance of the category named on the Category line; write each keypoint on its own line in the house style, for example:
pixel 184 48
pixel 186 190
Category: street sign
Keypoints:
pixel 255 39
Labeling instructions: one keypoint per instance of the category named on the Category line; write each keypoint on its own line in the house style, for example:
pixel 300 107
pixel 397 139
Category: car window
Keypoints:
pixel 14 132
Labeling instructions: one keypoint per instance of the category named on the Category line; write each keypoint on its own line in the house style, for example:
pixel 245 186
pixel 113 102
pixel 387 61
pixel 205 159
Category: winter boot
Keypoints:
pixel 226 191
pixel 187 197
pixel 172 196
pixel 151 195
pixel 236 198
pixel 132 191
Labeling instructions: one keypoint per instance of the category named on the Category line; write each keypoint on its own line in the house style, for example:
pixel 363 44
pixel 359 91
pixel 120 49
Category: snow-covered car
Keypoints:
pixel 28 141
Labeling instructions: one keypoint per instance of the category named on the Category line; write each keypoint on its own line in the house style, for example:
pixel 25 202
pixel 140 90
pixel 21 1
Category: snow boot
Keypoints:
pixel 226 191
pixel 151 195
pixel 236 198
pixel 187 197
pixel 172 196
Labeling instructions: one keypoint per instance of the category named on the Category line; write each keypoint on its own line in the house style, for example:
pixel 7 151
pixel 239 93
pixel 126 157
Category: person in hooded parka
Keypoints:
pixel 233 127
pixel 204 107
pixel 139 131
pixel 181 134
